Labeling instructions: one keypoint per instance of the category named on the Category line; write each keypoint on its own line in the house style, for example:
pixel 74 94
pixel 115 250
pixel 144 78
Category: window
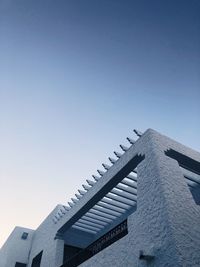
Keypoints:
pixel 24 236
pixel 103 242
pixel 191 172
pixel 19 264
pixel 37 260
pixel 70 251
pixel 105 218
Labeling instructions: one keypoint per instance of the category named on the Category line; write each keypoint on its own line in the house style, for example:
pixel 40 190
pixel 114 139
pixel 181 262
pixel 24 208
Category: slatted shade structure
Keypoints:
pixel 193 179
pixel 116 205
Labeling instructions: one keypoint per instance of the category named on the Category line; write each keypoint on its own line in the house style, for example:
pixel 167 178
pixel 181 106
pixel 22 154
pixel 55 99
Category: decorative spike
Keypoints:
pixel 124 148
pixel 66 208
pixel 96 178
pixel 117 154
pixel 71 204
pixel 90 182
pixel 74 200
pixel 112 160
pixel 86 187
pixel 78 196
pixel 57 216
pixel 81 192
pixel 131 141
pixel 138 133
pixel 55 220
pixel 60 213
pixel 106 166
pixel 63 211
pixel 101 172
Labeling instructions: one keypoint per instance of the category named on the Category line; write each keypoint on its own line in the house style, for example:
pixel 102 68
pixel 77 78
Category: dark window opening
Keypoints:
pixel 70 251
pixel 24 236
pixel 103 242
pixel 103 219
pixel 19 264
pixel 37 260
pixel 184 161
pixel 191 172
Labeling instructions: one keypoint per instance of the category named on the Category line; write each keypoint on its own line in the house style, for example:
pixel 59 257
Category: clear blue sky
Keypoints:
pixel 75 78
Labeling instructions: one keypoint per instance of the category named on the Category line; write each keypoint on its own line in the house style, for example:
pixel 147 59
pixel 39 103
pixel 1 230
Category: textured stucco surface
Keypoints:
pixel 16 249
pixel 166 223
pixel 44 241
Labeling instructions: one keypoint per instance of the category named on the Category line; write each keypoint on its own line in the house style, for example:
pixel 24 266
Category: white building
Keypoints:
pixel 142 210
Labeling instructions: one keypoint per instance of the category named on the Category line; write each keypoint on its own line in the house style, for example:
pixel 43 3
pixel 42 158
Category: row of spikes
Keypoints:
pixel 62 211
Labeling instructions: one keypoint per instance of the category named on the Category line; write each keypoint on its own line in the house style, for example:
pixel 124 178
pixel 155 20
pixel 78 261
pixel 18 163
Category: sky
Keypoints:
pixel 76 77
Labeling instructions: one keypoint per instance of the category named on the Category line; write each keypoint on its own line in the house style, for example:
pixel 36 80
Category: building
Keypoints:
pixel 142 210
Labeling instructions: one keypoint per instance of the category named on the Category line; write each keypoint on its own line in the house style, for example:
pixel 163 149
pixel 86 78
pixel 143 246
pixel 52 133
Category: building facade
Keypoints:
pixel 142 210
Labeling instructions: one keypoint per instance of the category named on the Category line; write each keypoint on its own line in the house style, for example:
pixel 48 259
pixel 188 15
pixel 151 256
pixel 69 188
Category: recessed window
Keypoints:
pixel 106 221
pixel 24 235
pixel 191 172
pixel 103 242
pixel 37 260
pixel 19 264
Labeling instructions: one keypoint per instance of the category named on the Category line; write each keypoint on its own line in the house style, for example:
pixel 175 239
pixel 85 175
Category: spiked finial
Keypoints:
pixel 66 208
pixel 86 187
pixel 57 217
pixel 62 211
pixel 71 204
pixel 101 172
pixel 78 196
pixel 55 220
pixel 131 141
pixel 74 200
pixel 138 133
pixel 96 178
pixel 112 160
pixel 81 192
pixel 91 183
pixel 124 148
pixel 60 214
pixel 106 167
pixel 117 154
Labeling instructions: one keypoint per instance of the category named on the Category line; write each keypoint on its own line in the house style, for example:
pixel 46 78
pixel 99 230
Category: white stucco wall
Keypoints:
pixel 44 240
pixel 16 249
pixel 167 221
pixel 165 225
